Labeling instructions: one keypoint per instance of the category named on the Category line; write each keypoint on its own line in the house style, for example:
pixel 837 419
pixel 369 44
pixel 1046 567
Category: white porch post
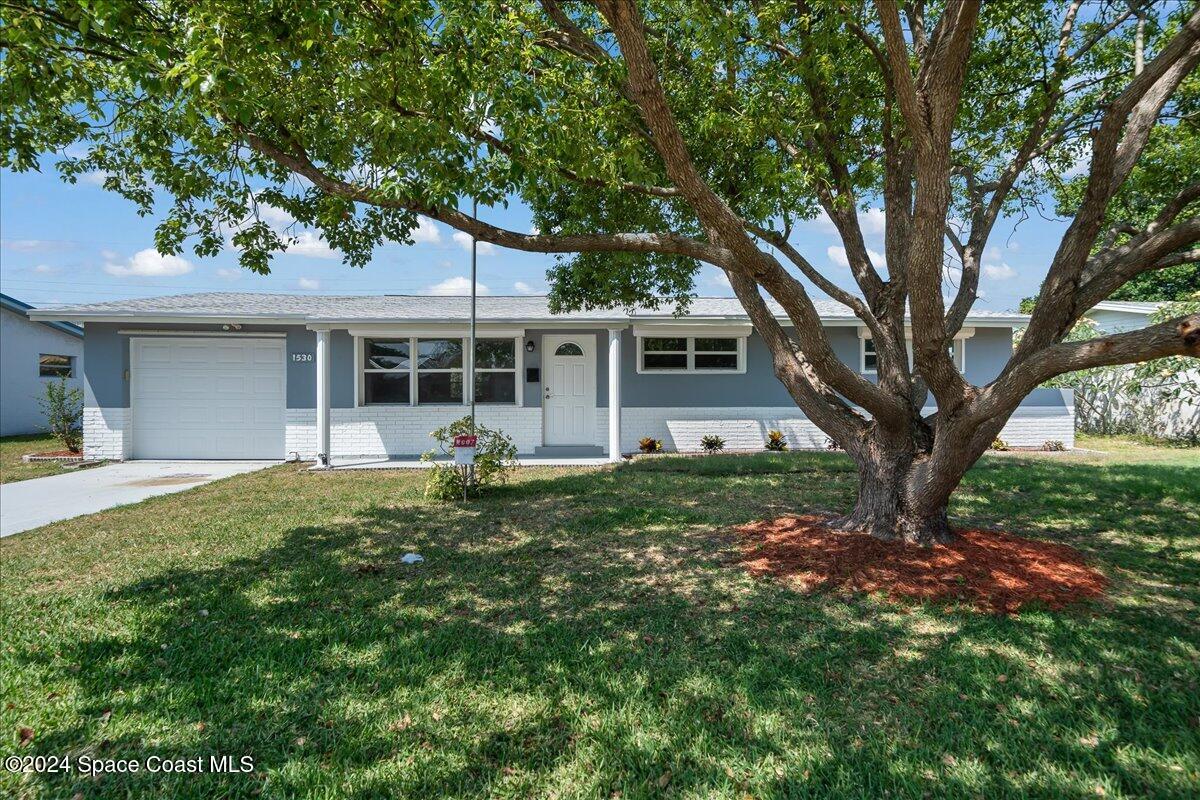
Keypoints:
pixel 323 398
pixel 614 394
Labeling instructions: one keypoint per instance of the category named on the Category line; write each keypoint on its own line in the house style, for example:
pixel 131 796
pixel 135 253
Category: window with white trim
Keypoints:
pixel 495 370
pixel 691 353
pixel 55 366
pixel 869 359
pixel 431 371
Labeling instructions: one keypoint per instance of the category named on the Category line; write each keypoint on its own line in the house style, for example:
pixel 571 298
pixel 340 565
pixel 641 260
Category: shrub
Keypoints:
pixel 1053 446
pixel 999 444
pixel 831 445
pixel 776 442
pixel 712 444
pixel 495 458
pixel 63 407
pixel 648 444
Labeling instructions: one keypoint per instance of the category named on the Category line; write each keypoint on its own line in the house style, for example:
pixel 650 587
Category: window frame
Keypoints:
pixel 414 371
pixel 739 351
pixel 56 369
pixel 958 354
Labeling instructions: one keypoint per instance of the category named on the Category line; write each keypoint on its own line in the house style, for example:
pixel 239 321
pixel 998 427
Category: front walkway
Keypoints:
pixel 382 462
pixel 40 501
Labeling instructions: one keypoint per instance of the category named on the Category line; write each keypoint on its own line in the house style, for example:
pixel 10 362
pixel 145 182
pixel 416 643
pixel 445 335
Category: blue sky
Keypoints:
pixel 63 243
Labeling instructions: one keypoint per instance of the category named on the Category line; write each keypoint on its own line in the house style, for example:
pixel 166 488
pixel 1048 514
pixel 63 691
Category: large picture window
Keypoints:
pixel 431 371
pixel 691 354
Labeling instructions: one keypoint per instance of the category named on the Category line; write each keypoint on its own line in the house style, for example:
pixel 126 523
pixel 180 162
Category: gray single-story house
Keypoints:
pixel 32 354
pixel 241 376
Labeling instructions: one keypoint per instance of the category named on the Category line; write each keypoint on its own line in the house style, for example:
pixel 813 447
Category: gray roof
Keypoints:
pixel 409 308
pixel 23 308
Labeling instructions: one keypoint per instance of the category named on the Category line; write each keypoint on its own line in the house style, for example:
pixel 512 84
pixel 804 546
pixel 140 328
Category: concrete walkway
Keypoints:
pixel 40 501
pixel 382 462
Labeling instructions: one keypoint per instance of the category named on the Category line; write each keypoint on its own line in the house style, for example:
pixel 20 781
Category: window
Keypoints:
pixel 568 349
pixel 870 360
pixel 439 371
pixel 496 370
pixel 426 371
pixel 388 372
pixel 52 366
pixel 691 354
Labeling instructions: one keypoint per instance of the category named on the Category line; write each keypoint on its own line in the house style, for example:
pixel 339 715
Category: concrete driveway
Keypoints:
pixel 40 501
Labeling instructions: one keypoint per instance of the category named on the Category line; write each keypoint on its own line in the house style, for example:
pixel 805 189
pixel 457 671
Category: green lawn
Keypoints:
pixel 12 468
pixel 586 634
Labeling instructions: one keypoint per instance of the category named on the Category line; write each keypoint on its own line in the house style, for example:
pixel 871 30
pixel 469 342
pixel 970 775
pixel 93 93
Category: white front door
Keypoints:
pixel 217 398
pixel 569 389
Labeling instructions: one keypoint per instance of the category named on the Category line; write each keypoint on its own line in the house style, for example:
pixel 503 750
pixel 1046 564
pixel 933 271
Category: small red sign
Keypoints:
pixel 465 441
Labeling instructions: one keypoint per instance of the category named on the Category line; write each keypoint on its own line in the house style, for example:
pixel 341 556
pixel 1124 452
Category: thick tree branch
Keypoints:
pixel 1179 336
pixel 668 243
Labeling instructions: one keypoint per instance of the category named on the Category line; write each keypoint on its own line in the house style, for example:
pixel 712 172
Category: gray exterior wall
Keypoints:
pixel 106 365
pixel 21 342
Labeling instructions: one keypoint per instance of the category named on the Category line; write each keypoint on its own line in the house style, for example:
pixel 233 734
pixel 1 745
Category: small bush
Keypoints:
pixel 776 442
pixel 495 458
pixel 648 444
pixel 63 407
pixel 999 444
pixel 712 444
pixel 831 445
pixel 1053 446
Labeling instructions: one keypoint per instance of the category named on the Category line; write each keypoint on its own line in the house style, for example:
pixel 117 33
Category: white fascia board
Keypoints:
pixel 50 315
pixel 689 327
pixel 488 329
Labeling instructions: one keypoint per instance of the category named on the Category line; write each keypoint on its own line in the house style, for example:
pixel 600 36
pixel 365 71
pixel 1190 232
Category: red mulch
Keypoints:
pixel 995 572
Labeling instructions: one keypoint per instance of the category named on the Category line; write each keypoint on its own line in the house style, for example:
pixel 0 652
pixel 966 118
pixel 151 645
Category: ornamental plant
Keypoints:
pixel 63 406
pixel 648 444
pixel 652 139
pixel 712 444
pixel 495 459
pixel 776 441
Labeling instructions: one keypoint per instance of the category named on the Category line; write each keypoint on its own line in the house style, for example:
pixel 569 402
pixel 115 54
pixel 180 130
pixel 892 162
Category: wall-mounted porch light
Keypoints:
pixel 529 346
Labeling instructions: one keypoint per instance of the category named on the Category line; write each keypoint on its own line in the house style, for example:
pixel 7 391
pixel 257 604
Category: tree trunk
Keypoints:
pixel 897 500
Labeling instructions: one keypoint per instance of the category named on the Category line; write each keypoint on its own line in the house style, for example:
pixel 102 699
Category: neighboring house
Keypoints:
pixel 1167 407
pixel 227 375
pixel 1118 316
pixel 32 353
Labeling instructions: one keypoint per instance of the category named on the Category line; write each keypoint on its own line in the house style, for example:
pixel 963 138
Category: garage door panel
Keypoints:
pixel 208 399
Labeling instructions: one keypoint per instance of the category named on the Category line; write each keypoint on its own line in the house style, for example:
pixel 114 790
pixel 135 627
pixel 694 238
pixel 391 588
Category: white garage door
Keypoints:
pixel 207 398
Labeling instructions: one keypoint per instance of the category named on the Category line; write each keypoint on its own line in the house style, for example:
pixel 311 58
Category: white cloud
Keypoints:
pixel 464 241
pixel 534 230
pixel 838 256
pixel 228 274
pixel 873 221
pixel 458 285
pixel 29 245
pixel 521 287
pixel 717 277
pixel 150 263
pixel 95 178
pixel 999 272
pixel 307 243
pixel 1014 245
pixel 426 232
pixel 992 254
pixel 309 283
pixel 45 269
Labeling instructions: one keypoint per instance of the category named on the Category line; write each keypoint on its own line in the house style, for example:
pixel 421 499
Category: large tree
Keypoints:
pixel 651 137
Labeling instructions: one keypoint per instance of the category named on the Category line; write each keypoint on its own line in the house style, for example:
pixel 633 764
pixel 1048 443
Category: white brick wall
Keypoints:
pixel 107 433
pixel 746 428
pixel 400 430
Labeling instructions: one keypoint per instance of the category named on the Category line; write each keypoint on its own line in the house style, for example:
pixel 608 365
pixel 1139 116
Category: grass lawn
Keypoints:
pixel 585 634
pixel 12 468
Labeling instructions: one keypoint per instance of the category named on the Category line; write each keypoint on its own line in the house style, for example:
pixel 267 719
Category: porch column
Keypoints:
pixel 323 398
pixel 614 394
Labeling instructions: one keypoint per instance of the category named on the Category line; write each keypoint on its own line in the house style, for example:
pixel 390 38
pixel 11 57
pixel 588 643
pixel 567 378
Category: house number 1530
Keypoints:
pixel 302 356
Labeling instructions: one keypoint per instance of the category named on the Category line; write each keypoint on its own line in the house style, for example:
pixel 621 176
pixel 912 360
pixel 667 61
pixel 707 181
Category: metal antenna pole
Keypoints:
pixel 474 247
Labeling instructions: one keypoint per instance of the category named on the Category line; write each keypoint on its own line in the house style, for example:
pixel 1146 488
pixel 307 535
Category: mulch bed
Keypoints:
pixel 995 572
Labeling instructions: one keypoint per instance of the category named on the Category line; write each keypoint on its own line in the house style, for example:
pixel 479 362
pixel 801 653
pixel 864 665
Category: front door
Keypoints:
pixel 569 389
